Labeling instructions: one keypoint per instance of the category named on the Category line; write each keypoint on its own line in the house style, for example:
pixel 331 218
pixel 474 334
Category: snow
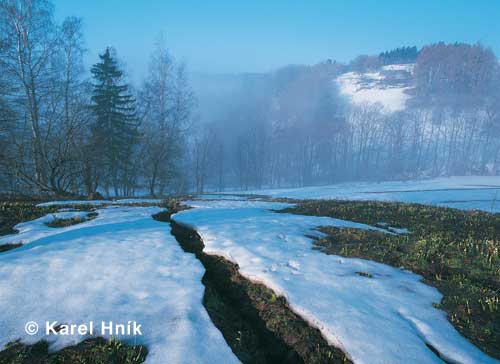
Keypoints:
pixel 461 192
pixel 376 88
pixel 122 266
pixel 399 67
pixel 101 202
pixel 385 319
pixel 211 196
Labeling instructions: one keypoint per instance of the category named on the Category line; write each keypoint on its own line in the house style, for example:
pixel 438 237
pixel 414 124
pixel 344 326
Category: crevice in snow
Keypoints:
pixel 258 325
pixel 121 267
pixel 438 354
pixel 345 306
pixel 430 341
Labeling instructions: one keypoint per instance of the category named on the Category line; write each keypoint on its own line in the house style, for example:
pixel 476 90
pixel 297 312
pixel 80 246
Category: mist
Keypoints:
pixel 298 127
pixel 410 112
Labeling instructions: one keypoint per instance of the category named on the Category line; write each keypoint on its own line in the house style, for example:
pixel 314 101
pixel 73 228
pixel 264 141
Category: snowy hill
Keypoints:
pixel 387 86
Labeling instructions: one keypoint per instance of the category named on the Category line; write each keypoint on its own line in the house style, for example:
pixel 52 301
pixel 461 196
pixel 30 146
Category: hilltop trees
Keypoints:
pixel 456 85
pixel 400 55
pixel 455 75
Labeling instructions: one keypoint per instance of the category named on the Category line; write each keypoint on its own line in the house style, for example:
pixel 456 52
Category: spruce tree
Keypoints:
pixel 115 129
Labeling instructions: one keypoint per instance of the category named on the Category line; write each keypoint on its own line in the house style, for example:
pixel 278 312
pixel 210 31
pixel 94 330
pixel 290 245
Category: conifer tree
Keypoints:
pixel 115 129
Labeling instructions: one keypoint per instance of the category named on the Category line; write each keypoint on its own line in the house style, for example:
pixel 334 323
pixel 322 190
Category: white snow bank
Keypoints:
pixel 386 319
pixel 122 266
pixel 465 192
pixel 375 88
pixel 100 202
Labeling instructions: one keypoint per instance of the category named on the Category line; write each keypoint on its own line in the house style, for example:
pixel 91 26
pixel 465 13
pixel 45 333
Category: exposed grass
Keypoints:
pixel 12 213
pixel 173 205
pixel 455 251
pixel 7 247
pixel 58 222
pixel 364 274
pixel 15 212
pixel 90 351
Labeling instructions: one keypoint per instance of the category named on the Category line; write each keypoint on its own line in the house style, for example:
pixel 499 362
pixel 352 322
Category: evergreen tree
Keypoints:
pixel 400 55
pixel 115 129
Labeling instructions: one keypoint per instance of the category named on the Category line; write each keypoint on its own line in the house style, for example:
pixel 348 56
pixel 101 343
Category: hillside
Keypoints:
pixel 390 86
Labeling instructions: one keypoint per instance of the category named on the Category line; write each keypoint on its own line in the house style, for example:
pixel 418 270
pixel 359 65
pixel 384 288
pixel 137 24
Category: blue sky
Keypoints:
pixel 257 36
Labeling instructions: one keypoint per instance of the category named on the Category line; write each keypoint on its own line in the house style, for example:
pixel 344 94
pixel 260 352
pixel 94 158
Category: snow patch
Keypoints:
pixel 378 87
pixel 461 192
pixel 122 266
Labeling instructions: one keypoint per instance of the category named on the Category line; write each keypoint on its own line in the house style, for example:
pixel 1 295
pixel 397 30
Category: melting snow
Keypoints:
pixel 385 319
pixel 122 266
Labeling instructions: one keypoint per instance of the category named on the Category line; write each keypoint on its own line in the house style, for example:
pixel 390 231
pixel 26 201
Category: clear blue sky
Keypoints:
pixel 256 36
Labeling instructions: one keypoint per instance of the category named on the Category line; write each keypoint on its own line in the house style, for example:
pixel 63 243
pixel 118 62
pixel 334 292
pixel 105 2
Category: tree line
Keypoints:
pixel 402 55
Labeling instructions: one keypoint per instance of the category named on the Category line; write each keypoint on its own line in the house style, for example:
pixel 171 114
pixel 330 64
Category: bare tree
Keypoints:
pixel 167 103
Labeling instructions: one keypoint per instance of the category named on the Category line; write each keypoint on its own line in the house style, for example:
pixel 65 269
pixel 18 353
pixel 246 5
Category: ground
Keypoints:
pixel 231 278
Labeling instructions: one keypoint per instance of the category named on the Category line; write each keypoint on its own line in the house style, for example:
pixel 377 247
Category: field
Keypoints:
pixel 254 279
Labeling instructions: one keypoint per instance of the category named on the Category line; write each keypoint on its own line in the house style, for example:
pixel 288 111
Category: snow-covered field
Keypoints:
pixel 386 319
pixel 387 87
pixel 122 266
pixel 477 192
pixel 125 266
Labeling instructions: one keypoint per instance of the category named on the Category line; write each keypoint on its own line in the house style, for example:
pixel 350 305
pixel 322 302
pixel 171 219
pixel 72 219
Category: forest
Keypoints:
pixel 69 130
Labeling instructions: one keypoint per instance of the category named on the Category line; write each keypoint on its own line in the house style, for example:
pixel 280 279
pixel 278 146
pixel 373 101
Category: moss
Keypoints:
pixel 13 213
pixel 364 274
pixel 90 351
pixel 58 222
pixel 7 247
pixel 455 251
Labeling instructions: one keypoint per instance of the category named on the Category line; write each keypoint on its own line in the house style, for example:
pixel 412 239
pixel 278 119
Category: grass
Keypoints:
pixel 455 251
pixel 90 351
pixel 15 212
pixel 7 247
pixel 58 222
pixel 12 213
